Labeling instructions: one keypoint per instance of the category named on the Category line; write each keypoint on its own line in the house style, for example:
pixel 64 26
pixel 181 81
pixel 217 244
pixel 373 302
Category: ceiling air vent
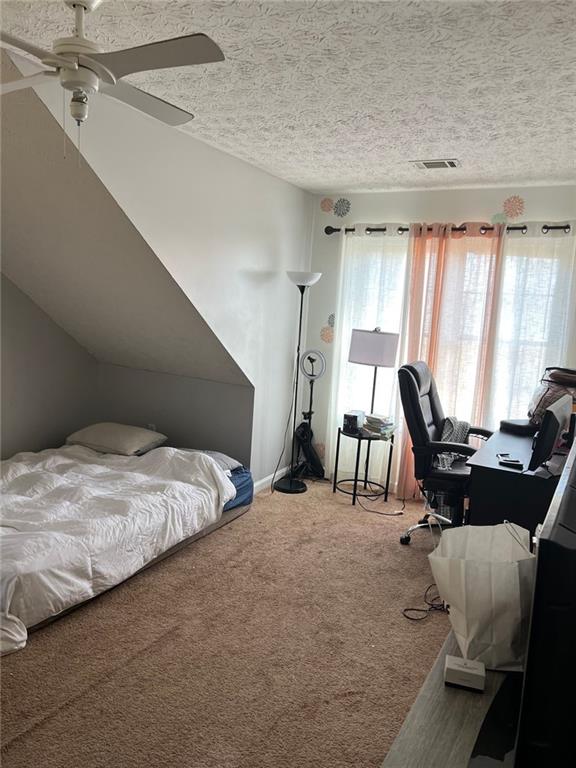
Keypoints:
pixel 432 165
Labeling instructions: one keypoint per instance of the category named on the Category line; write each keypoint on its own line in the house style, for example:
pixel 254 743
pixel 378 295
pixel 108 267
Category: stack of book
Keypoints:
pixel 379 426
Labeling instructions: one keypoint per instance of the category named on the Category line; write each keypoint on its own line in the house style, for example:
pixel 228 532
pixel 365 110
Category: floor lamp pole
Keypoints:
pixel 301 288
pixel 374 389
pixel 290 484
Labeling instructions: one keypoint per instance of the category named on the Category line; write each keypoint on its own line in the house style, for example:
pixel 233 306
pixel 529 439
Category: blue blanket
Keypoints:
pixel 242 479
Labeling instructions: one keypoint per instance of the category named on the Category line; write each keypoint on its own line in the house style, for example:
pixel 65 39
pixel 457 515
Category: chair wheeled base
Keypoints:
pixel 437 520
pixel 433 517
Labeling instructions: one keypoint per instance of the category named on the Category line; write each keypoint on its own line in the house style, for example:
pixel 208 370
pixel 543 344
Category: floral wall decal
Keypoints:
pixel 342 207
pixel 327 332
pixel 513 206
pixel 339 208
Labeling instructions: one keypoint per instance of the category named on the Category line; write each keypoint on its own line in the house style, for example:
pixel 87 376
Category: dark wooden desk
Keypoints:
pixel 500 493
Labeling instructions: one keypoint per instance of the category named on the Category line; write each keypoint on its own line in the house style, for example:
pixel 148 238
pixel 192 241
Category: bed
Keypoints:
pixel 76 522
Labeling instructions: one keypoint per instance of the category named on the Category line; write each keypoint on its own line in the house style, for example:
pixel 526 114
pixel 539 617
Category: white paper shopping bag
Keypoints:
pixel 486 575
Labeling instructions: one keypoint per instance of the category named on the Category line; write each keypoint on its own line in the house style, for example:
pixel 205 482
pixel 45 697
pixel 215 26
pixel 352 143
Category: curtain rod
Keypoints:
pixel 401 230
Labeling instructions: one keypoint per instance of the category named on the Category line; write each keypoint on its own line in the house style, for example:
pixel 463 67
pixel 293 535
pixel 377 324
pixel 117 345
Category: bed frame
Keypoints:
pixel 227 517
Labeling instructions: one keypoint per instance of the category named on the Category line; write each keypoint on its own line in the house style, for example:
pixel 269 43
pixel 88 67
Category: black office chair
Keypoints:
pixel 425 420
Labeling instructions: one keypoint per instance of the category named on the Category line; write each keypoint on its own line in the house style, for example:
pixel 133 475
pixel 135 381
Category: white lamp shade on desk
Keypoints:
pixel 373 348
pixel 304 278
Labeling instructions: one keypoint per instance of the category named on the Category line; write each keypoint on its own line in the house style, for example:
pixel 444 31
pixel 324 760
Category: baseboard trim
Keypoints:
pixel 261 485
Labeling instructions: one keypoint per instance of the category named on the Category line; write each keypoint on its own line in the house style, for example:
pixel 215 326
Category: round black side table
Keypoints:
pixel 364 490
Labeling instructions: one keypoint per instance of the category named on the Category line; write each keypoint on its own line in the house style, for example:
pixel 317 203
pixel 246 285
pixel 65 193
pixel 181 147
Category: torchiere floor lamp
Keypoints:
pixel 289 483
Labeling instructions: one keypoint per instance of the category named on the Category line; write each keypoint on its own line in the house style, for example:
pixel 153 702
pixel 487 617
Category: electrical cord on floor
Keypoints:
pixel 288 420
pixel 374 497
pixel 434 603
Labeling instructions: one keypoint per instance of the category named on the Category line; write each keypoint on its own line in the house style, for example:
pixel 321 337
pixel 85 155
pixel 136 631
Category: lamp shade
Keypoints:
pixel 304 278
pixel 373 348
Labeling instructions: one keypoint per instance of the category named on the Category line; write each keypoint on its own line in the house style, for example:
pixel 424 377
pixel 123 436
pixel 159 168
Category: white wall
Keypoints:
pixel 457 206
pixel 226 231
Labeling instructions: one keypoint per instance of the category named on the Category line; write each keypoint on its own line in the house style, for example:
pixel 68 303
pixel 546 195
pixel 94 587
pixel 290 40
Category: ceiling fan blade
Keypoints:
pixel 45 56
pixel 145 102
pixel 178 52
pixel 26 82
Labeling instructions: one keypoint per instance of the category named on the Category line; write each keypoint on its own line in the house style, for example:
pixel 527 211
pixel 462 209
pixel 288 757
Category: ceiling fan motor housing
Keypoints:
pixel 82 77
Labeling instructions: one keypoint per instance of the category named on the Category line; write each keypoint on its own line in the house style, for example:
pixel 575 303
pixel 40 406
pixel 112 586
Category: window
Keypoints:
pixel 536 319
pixel 488 312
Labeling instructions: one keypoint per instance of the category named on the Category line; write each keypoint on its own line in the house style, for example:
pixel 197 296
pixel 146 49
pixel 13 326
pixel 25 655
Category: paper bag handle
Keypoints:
pixel 512 532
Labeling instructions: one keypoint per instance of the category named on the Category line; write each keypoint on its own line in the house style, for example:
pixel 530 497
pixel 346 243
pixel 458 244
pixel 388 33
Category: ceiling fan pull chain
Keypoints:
pixel 79 156
pixel 64 121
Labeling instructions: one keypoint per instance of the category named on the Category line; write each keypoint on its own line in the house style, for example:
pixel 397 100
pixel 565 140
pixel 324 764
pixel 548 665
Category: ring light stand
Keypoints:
pixel 312 367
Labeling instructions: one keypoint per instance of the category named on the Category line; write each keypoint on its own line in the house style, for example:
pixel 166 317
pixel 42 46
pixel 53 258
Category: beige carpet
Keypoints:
pixel 276 642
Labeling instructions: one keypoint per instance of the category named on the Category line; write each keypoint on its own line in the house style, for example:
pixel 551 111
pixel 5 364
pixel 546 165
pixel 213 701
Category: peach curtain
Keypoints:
pixel 451 319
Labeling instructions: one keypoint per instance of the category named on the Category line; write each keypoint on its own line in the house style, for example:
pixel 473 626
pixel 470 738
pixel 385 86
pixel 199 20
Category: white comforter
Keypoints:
pixel 76 522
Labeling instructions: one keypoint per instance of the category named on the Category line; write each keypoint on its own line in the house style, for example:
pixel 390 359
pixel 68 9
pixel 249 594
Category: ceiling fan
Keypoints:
pixel 84 69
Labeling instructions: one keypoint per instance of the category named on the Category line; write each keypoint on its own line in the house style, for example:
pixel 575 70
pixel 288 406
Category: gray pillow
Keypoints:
pixel 108 437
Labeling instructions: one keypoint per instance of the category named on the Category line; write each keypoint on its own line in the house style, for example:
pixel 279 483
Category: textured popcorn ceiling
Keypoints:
pixel 342 95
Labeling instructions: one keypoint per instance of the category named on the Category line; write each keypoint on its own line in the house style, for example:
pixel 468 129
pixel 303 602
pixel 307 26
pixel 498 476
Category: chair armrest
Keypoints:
pixel 480 431
pixel 436 446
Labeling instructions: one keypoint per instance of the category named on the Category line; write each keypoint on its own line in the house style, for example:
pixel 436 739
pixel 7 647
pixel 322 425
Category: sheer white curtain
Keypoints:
pixel 536 318
pixel 371 294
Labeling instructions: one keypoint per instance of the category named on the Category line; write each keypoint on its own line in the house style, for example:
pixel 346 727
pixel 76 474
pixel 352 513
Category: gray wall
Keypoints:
pixel 194 413
pixel 51 387
pixel 48 379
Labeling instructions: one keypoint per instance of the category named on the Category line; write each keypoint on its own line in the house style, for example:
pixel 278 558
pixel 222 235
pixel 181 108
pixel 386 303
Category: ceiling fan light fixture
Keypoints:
pixel 79 106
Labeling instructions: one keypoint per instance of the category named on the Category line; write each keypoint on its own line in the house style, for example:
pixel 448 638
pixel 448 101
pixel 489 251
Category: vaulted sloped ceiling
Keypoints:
pixel 69 246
